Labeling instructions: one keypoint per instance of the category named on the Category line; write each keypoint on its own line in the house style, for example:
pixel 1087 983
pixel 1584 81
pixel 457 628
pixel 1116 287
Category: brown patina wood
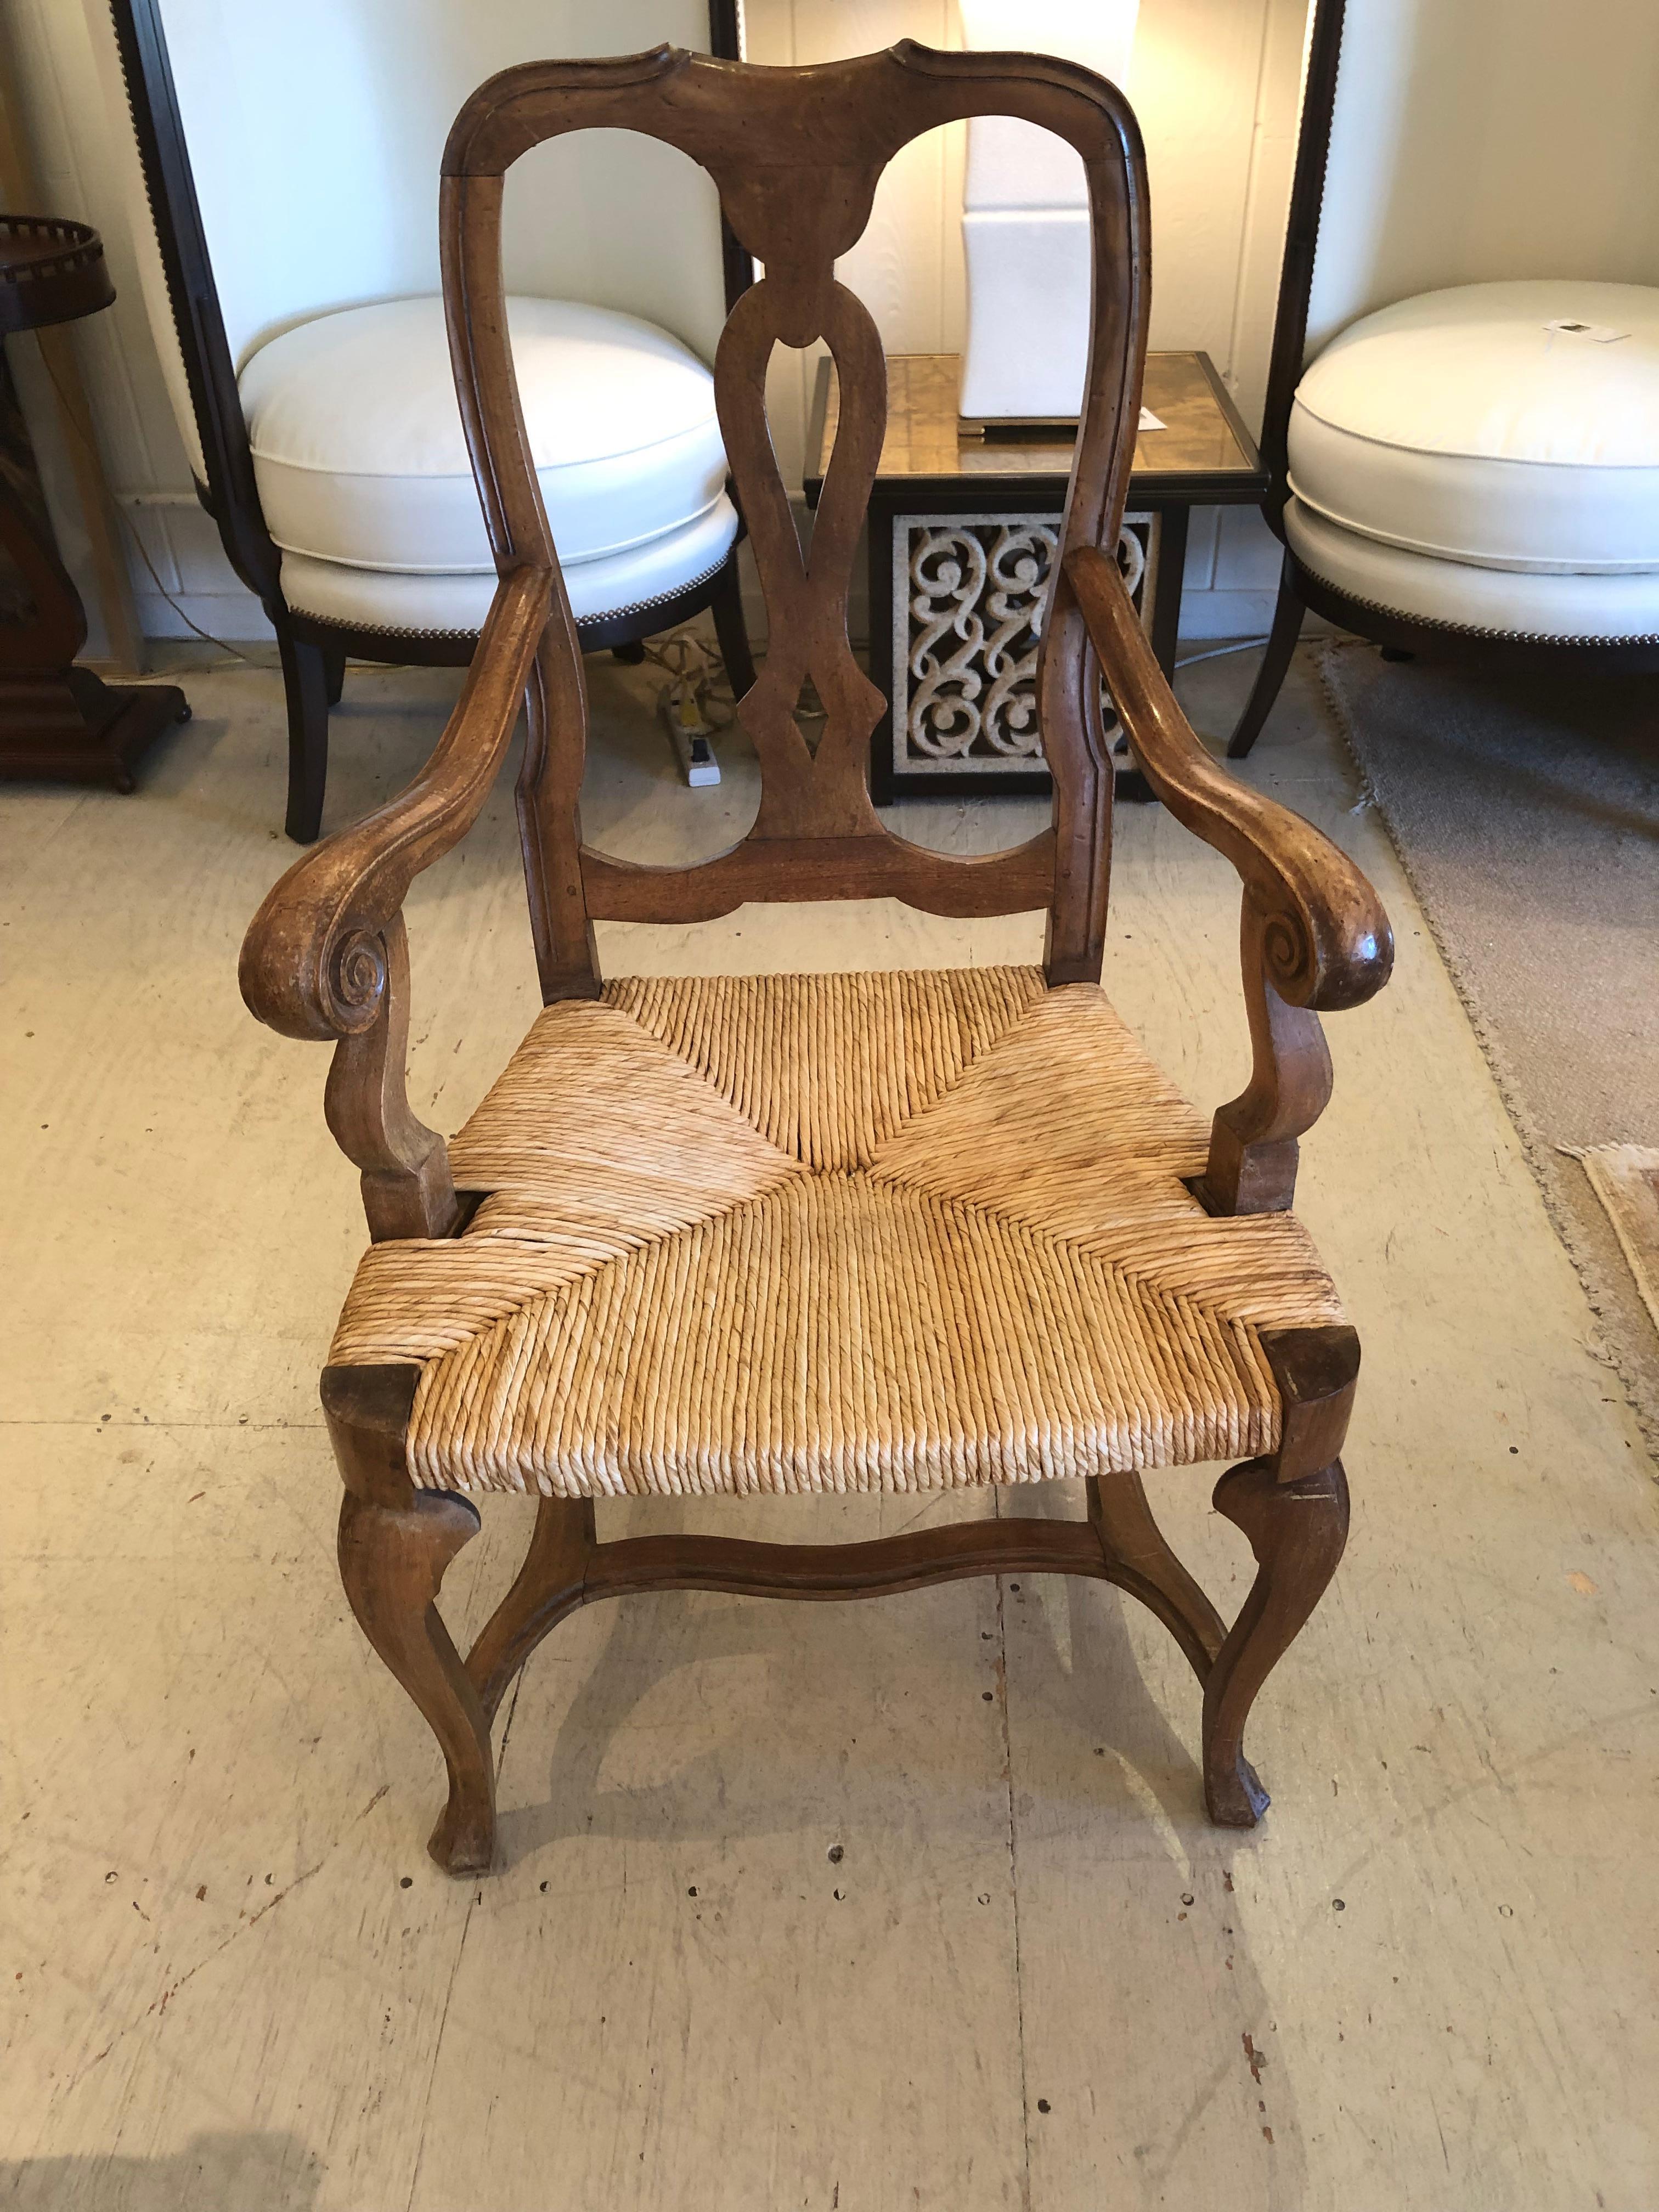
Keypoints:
pixel 797 155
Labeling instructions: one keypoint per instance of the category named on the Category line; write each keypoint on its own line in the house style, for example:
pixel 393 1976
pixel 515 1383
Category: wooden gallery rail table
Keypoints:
pixel 57 719
pixel 962 531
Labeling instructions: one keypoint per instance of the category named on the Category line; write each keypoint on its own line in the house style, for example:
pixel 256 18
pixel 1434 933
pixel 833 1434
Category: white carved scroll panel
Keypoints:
pixel 969 594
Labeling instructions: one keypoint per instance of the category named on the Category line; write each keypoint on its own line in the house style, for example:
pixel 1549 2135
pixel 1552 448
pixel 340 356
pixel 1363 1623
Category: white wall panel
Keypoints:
pixel 1488 139
pixel 1216 82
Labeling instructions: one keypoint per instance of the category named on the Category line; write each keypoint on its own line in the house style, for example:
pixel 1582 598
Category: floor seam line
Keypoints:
pixel 437 2053
pixel 162 1421
pixel 1013 1887
pixel 460 1953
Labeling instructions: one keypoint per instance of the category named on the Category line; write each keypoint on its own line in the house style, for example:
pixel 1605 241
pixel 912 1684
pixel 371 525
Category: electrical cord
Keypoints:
pixel 695 671
pixel 1220 651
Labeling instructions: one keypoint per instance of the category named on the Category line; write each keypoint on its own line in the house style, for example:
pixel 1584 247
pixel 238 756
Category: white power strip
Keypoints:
pixel 689 733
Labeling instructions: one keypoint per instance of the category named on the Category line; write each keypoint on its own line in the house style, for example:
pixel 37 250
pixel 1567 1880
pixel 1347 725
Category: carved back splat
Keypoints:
pixel 796 155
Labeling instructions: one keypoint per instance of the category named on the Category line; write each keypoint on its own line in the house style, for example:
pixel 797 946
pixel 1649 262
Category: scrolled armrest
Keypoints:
pixel 1326 940
pixel 314 962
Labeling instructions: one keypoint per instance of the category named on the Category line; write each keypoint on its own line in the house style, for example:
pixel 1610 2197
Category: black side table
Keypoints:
pixel 963 533
pixel 56 720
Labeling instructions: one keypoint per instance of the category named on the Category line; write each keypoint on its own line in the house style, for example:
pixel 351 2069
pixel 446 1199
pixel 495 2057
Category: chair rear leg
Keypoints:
pixel 548 1585
pixel 334 661
pixel 731 630
pixel 306 682
pixel 1288 612
pixel 1139 1561
pixel 1297 1531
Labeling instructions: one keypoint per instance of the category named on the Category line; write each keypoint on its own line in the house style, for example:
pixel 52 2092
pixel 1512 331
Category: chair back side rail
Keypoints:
pixel 1289 341
pixel 230 494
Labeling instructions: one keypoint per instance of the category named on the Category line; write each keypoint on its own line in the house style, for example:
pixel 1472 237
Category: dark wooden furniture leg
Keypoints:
pixel 56 720
pixel 334 663
pixel 550 1584
pixel 1288 613
pixel 731 628
pixel 1293 1507
pixel 1296 1530
pixel 69 726
pixel 396 1542
pixel 1141 1562
pixel 305 683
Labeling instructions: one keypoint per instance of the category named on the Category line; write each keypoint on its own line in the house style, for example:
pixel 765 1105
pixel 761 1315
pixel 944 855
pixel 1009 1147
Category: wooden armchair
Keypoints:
pixel 915 1231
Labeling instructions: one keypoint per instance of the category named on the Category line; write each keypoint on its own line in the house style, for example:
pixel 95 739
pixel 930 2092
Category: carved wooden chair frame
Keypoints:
pixel 797 155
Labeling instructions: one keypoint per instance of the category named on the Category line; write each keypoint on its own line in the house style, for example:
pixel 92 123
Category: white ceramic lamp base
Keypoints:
pixel 1025 222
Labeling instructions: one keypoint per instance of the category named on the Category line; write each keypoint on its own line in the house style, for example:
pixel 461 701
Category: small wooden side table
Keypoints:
pixel 58 720
pixel 963 533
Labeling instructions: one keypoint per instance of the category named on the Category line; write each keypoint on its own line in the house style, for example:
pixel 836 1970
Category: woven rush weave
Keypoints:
pixel 913 1231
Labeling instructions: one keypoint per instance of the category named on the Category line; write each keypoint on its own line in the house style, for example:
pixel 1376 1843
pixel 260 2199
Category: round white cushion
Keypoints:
pixel 1610 606
pixel 455 605
pixel 1457 425
pixel 361 459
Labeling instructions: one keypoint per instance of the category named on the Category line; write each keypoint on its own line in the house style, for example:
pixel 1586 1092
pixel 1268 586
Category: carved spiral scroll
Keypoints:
pixel 356 980
pixel 967 621
pixel 1288 955
pixel 1310 963
pixel 947 576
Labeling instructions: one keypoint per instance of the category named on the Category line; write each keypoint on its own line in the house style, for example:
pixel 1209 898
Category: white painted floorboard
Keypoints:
pixel 1035 1977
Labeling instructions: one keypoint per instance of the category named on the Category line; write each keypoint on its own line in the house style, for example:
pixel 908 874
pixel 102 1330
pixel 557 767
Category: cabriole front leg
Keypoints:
pixel 1294 1508
pixel 396 1544
pixel 1297 1531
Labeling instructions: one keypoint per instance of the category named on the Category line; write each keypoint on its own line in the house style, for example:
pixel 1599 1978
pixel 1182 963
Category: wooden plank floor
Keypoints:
pixel 1033 1976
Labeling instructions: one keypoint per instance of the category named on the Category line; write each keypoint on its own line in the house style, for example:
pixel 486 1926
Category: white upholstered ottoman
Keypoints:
pixel 1468 460
pixel 367 488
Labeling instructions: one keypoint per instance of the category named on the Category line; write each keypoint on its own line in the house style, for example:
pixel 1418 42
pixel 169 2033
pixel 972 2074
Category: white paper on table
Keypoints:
pixel 1599 333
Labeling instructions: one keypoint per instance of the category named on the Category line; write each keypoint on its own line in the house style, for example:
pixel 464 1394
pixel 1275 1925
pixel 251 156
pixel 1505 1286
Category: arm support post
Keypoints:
pixel 1253 1140
pixel 1315 936
pixel 407 1189
pixel 327 957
